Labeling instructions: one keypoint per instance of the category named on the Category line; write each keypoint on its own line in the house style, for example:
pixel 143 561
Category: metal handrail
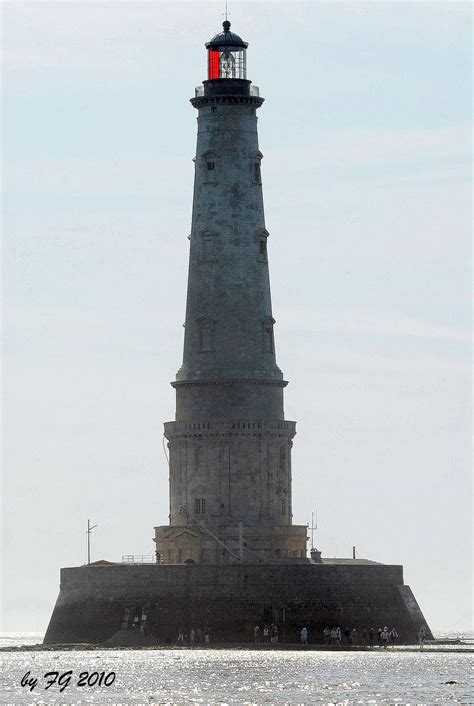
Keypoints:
pixel 138 559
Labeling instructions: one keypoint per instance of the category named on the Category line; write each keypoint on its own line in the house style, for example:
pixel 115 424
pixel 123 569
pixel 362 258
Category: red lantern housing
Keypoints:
pixel 226 55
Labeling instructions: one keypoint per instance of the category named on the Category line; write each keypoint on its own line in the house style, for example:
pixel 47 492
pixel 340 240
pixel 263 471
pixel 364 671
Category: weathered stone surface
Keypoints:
pixel 230 447
pixel 229 600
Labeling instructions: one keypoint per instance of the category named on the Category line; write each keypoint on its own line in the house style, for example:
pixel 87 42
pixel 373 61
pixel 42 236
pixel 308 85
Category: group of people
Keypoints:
pixel 195 636
pixel 350 636
pixel 267 634
pixel 333 636
pixel 383 637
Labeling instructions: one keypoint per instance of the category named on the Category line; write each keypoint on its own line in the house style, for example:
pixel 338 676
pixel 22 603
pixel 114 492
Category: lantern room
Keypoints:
pixel 226 55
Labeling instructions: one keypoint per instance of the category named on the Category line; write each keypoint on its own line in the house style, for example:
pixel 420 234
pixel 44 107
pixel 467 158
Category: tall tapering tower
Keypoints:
pixel 230 445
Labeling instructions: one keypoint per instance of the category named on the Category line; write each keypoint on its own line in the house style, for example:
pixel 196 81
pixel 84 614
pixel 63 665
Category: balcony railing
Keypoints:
pixel 231 427
pixel 138 559
pixel 199 91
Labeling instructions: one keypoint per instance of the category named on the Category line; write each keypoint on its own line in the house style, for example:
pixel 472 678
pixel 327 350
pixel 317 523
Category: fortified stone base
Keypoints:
pixel 98 603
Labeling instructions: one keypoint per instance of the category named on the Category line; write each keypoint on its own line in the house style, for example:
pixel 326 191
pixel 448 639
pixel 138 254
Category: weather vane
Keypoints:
pixel 226 13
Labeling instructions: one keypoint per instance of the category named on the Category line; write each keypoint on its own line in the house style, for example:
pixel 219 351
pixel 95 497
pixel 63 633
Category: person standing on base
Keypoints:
pixel 256 634
pixel 371 637
pixel 393 636
pixel 384 638
pixel 274 635
pixel 421 637
pixel 304 636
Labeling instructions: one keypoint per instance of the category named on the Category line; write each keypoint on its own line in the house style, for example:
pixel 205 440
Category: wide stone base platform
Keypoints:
pixel 98 601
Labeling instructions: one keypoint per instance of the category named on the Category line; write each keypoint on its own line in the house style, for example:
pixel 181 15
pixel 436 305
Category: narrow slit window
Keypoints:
pixel 258 174
pixel 282 458
pixel 208 248
pixel 263 247
pixel 206 335
pixel 268 336
pixel 214 109
pixel 197 459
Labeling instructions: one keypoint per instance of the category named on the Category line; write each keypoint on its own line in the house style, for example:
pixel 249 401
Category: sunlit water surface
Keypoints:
pixel 185 676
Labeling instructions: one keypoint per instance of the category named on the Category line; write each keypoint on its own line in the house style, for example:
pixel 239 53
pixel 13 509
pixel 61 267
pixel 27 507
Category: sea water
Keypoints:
pixel 237 676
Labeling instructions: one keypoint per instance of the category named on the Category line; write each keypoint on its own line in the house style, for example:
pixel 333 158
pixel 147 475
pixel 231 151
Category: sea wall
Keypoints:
pixel 95 602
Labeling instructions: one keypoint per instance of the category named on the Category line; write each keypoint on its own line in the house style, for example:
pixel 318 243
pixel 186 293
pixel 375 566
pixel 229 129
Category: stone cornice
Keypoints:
pixel 201 101
pixel 280 427
pixel 243 381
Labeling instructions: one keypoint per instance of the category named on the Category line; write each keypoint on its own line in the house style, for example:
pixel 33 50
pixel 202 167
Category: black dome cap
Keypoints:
pixel 226 37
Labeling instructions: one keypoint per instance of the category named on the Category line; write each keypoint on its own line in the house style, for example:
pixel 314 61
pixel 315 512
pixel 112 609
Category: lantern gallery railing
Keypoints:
pixel 199 91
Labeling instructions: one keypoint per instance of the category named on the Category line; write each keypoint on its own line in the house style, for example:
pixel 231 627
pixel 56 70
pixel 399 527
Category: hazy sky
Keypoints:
pixel 365 134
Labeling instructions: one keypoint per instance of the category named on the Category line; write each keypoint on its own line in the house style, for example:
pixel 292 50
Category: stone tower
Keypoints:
pixel 230 445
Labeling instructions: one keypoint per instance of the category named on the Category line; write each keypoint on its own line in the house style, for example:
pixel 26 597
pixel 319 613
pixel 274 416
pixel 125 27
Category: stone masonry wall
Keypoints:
pixel 229 324
pixel 229 600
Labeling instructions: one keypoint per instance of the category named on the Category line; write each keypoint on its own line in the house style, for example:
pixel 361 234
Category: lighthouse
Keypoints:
pixel 230 444
pixel 230 557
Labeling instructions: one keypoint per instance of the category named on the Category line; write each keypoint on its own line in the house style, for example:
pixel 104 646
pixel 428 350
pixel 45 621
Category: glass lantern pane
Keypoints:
pixel 227 62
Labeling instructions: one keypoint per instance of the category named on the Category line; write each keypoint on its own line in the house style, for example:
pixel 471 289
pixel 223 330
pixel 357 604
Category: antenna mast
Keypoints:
pixel 313 526
pixel 89 530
